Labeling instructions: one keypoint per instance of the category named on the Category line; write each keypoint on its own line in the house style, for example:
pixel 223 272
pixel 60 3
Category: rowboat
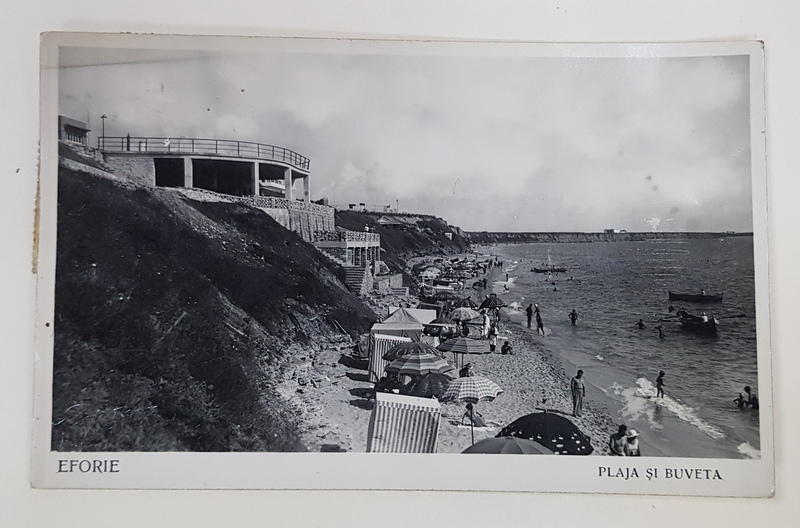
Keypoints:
pixel 549 270
pixel 698 324
pixel 695 297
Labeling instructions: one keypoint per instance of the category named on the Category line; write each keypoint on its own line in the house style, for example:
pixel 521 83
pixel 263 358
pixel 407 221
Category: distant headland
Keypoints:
pixel 609 235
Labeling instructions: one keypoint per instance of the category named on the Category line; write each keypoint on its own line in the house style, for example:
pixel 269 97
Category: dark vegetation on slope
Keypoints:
pixel 175 319
pixel 425 237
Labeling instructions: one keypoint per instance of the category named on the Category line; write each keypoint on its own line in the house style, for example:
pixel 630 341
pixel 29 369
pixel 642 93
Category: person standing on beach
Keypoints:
pixel 660 385
pixel 529 313
pixel 492 338
pixel 578 388
pixel 539 323
pixel 616 444
pixel 486 324
pixel 573 316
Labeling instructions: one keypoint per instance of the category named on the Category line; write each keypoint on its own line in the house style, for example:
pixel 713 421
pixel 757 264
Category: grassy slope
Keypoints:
pixel 174 319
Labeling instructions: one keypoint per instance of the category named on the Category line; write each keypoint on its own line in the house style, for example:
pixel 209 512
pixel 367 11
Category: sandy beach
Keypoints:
pixel 330 391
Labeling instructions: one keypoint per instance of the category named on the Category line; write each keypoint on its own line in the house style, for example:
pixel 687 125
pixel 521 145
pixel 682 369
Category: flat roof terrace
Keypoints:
pixel 222 148
pixel 221 165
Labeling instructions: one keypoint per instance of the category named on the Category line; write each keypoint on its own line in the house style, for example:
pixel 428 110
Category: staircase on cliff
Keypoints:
pixel 333 258
pixel 358 279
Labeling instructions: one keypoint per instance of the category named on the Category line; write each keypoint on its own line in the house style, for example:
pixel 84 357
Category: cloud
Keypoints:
pixel 489 143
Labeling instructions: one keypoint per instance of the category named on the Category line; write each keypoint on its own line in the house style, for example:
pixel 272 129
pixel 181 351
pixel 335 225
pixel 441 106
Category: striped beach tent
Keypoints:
pixel 379 345
pixel 403 424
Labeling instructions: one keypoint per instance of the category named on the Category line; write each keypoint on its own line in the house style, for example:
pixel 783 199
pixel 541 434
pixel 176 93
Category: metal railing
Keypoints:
pixel 217 147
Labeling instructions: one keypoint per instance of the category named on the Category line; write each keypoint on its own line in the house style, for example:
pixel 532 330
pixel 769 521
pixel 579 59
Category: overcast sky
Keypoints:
pixel 487 143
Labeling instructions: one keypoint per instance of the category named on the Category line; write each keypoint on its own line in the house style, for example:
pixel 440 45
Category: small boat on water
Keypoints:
pixel 551 269
pixel 695 297
pixel 698 324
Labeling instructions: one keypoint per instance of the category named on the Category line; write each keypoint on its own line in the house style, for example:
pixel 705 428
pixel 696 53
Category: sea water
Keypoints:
pixel 612 286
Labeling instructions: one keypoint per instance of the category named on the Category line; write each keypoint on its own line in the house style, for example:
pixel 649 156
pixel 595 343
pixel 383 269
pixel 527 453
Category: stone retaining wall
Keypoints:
pixel 138 169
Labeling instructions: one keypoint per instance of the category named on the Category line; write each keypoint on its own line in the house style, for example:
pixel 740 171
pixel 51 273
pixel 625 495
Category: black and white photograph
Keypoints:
pixel 313 255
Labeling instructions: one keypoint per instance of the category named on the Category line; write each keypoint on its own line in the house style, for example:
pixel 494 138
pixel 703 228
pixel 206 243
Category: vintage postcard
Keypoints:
pixel 298 263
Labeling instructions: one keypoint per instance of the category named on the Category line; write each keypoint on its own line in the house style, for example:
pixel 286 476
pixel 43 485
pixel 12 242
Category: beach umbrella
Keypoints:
pixel 419 364
pixel 471 389
pixel 492 302
pixel 551 430
pixel 508 445
pixel 440 330
pixel 463 314
pixel 441 325
pixel 465 302
pixel 430 385
pixel 411 347
pixel 464 345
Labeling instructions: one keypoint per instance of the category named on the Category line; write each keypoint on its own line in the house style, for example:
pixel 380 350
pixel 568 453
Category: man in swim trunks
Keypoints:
pixel 616 444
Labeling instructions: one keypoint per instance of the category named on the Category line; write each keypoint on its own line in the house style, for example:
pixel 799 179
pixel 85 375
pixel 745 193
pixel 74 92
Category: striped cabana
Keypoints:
pixel 380 344
pixel 403 424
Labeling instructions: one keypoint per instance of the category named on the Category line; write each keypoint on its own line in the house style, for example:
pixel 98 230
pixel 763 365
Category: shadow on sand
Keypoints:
pixel 358 377
pixel 354 362
pixel 362 392
pixel 367 405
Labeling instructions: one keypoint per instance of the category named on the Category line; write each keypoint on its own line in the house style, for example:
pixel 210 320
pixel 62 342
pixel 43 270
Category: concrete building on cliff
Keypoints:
pixel 259 175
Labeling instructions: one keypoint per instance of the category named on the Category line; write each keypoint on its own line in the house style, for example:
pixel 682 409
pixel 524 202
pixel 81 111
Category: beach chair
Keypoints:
pixel 403 424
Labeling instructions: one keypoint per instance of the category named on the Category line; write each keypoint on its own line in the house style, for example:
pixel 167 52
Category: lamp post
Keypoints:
pixel 104 117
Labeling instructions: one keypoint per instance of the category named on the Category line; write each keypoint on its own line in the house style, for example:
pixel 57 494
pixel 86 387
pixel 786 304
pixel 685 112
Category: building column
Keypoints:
pixel 188 173
pixel 256 179
pixel 287 182
pixel 307 189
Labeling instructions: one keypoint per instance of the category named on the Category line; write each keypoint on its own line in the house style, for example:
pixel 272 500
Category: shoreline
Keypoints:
pixel 330 391
pixel 662 432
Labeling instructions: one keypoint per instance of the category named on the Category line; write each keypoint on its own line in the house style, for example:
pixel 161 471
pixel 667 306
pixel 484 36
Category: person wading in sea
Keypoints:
pixel 660 385
pixel 573 316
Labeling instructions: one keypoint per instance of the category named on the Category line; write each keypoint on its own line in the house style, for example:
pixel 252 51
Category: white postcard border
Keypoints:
pixel 122 470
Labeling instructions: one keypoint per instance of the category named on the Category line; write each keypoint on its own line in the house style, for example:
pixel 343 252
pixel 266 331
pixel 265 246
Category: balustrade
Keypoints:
pixel 201 146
